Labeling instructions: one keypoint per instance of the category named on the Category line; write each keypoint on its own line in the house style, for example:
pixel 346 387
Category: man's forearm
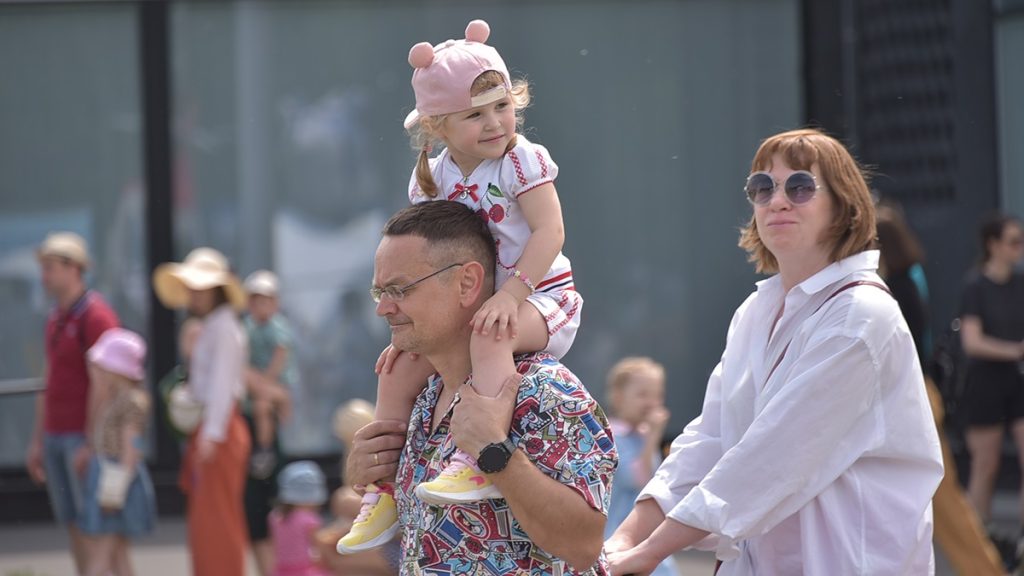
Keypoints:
pixel 555 516
pixel 37 426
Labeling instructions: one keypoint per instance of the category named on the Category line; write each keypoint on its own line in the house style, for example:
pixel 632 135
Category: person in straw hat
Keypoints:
pixel 213 470
pixel 58 451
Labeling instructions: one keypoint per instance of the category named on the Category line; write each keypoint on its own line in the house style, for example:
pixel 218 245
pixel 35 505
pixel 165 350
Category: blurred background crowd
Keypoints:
pixel 271 131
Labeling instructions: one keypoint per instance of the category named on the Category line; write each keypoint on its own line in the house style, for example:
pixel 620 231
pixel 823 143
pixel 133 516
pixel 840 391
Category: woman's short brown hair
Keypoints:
pixel 853 229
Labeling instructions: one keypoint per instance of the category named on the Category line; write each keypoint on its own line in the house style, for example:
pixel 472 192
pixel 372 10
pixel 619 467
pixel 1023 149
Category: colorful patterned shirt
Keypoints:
pixel 562 430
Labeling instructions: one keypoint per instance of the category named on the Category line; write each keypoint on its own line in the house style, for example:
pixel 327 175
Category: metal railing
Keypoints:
pixel 21 386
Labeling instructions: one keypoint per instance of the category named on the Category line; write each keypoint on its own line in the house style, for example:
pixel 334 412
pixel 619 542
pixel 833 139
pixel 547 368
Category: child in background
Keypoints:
pixel 345 504
pixel 272 369
pixel 269 378
pixel 636 396
pixel 119 502
pixel 296 519
pixel 467 102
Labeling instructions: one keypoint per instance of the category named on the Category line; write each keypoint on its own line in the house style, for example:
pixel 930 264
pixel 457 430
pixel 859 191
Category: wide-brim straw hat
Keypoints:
pixel 203 268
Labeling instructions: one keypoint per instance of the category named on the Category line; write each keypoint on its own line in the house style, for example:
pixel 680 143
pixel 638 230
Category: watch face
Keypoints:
pixel 493 458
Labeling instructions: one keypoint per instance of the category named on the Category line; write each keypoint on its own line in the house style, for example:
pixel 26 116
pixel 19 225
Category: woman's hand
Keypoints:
pixel 632 561
pixel 205 449
pixel 618 542
pixel 500 311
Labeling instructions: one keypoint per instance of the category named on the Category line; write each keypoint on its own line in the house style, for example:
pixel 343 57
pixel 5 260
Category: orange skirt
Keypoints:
pixel 217 535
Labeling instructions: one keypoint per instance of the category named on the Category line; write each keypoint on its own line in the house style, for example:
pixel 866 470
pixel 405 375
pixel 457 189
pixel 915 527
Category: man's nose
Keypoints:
pixel 385 306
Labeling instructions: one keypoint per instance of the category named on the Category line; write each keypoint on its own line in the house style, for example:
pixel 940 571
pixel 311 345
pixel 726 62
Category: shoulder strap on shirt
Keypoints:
pixel 838 291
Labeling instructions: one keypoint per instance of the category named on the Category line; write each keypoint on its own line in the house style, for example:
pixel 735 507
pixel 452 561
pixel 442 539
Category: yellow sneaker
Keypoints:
pixel 376 524
pixel 458 483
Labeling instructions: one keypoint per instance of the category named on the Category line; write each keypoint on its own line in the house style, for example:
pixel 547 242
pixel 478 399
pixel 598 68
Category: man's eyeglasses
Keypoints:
pixel 396 293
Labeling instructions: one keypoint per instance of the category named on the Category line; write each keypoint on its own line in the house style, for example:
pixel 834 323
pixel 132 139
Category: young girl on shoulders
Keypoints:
pixel 467 103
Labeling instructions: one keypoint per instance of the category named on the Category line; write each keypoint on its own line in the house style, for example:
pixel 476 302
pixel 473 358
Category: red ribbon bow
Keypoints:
pixel 461 190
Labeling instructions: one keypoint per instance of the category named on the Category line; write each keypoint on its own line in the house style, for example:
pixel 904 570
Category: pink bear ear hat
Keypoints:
pixel 444 73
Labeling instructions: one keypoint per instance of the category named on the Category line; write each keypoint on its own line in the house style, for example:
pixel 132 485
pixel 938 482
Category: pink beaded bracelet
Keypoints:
pixel 515 273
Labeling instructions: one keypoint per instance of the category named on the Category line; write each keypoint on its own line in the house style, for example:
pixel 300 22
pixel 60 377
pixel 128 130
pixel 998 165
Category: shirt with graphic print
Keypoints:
pixel 560 428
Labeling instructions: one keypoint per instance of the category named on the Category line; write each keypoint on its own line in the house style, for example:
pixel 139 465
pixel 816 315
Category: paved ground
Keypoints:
pixel 41 549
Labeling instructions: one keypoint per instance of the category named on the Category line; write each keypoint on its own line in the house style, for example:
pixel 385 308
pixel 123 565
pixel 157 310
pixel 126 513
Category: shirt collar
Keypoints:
pixel 219 313
pixel 829 275
pixel 77 307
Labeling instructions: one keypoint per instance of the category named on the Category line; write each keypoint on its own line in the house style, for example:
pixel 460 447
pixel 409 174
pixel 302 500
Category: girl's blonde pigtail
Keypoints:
pixel 424 178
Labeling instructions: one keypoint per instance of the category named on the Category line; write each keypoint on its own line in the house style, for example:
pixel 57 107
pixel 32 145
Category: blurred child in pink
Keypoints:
pixel 302 491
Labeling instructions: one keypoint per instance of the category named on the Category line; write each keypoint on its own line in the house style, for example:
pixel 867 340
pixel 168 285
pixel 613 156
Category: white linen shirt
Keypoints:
pixel 828 467
pixel 216 372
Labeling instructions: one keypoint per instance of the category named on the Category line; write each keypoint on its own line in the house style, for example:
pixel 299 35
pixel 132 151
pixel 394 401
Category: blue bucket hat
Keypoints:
pixel 302 483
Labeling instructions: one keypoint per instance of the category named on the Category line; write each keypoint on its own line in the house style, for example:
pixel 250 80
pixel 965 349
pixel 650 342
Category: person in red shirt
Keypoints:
pixel 58 452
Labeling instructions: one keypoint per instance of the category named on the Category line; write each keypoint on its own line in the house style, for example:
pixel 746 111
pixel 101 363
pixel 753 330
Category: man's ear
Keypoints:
pixel 471 283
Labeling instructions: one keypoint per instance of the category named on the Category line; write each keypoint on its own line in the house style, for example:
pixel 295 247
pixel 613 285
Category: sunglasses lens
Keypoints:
pixel 800 187
pixel 760 187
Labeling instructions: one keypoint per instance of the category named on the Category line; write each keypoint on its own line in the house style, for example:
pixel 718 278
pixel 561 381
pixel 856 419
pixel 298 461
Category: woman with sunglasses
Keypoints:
pixel 815 452
pixel 992 331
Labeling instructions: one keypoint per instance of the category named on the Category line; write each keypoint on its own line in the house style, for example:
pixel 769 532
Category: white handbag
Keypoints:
pixel 186 412
pixel 113 484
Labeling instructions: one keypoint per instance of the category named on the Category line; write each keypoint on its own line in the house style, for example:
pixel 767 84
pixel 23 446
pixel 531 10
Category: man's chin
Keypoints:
pixel 401 342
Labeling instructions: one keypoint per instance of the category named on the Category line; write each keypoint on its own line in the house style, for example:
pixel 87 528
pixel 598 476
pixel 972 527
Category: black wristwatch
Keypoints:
pixel 494 457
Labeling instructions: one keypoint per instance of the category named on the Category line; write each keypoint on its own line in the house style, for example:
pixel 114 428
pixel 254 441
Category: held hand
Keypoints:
pixel 630 562
pixel 478 420
pixel 500 311
pixel 386 360
pixel 375 451
pixel 618 542
pixel 80 462
pixel 34 462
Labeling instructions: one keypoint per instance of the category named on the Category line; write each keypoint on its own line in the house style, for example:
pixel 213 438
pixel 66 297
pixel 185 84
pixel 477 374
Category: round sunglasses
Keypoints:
pixel 800 187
